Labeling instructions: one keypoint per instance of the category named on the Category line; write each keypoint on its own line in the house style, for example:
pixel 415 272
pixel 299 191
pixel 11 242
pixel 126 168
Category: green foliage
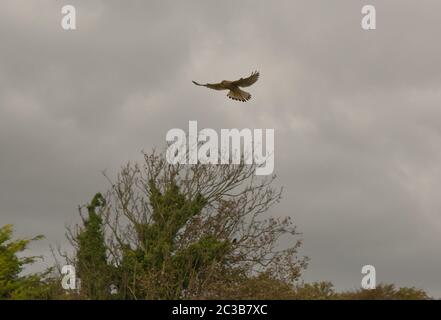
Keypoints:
pixel 386 292
pixel 92 267
pixel 193 232
pixel 260 287
pixel 326 291
pixel 173 254
pixel 13 285
pixel 171 211
pixel 316 291
pixel 159 262
pixel 189 232
pixel 182 232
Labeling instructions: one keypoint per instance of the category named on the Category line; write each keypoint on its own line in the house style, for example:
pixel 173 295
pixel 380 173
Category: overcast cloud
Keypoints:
pixel 357 115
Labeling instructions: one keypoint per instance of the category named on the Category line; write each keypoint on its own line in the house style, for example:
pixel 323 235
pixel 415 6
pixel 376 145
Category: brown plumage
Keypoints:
pixel 234 86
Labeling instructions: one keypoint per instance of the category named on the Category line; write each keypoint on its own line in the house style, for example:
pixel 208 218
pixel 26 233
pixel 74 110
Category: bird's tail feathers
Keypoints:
pixel 239 95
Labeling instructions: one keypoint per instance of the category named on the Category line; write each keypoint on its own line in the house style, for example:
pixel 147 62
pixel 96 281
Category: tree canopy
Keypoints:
pixel 13 284
pixel 165 231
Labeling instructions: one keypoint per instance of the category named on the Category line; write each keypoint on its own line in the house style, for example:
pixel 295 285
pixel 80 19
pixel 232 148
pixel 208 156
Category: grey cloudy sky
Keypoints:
pixel 357 115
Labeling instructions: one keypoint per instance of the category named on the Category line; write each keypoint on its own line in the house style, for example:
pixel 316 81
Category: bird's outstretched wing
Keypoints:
pixel 214 86
pixel 247 81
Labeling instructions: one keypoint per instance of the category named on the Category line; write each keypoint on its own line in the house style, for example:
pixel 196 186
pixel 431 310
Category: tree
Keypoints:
pixel 386 292
pixel 13 285
pixel 167 231
pixel 260 287
pixel 326 291
pixel 176 231
pixel 316 291
pixel 91 252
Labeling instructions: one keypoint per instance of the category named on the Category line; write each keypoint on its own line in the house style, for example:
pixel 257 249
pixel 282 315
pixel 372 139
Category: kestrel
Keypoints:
pixel 235 92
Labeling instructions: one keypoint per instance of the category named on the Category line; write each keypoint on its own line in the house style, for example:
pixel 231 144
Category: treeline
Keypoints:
pixel 178 232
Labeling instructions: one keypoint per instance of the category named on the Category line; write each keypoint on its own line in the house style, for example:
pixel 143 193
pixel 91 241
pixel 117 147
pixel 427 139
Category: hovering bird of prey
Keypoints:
pixel 234 86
